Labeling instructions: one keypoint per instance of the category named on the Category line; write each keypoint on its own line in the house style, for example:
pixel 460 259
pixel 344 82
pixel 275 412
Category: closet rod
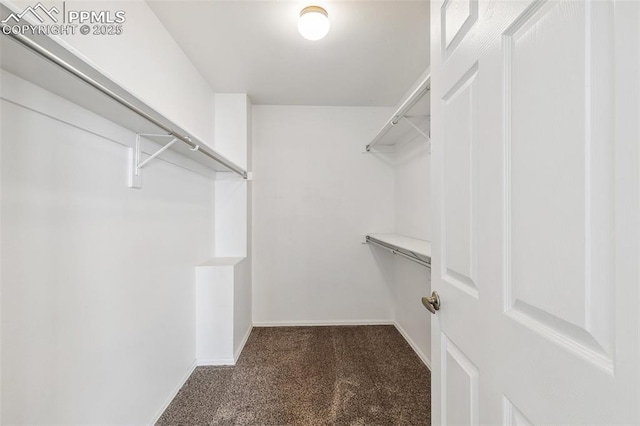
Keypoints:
pixel 415 97
pixel 399 253
pixel 410 102
pixel 52 57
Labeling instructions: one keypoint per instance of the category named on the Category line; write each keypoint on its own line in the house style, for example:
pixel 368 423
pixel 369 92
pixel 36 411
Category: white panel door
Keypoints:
pixel 536 211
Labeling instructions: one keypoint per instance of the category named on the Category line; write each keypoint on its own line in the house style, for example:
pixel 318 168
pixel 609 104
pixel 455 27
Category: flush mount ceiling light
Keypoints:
pixel 313 23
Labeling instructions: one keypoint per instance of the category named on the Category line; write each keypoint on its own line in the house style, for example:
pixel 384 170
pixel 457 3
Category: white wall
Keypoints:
pixel 242 306
pixel 243 297
pixel 146 61
pixel 412 218
pixel 231 218
pixel 233 206
pixel 233 126
pixel 119 361
pixel 97 279
pixel 412 189
pixel 215 284
pixel 315 194
pixel 232 114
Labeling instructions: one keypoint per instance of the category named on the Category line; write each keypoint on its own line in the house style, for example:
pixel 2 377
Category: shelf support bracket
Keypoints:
pixel 416 128
pixel 135 157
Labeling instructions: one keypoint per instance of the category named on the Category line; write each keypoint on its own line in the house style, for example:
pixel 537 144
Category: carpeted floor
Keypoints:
pixel 360 375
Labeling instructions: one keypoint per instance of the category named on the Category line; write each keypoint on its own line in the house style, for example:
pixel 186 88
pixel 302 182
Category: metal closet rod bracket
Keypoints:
pixel 416 128
pixel 406 118
pixel 136 164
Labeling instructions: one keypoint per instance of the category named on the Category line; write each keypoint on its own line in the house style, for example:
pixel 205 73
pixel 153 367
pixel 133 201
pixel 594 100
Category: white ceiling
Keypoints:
pixel 373 53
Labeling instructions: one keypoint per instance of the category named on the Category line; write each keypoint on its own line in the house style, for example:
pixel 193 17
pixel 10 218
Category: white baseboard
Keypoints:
pixel 424 358
pixel 320 323
pixel 209 362
pixel 236 355
pixel 173 393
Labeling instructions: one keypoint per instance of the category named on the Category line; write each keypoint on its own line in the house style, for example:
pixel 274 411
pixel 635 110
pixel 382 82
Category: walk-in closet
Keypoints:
pixel 183 245
pixel 344 212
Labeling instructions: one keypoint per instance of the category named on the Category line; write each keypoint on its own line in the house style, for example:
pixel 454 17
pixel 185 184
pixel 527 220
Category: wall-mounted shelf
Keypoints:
pixel 411 119
pixel 416 250
pixel 44 62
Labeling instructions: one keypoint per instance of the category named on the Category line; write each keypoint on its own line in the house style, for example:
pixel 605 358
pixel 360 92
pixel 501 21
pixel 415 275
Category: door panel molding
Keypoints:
pixel 512 414
pixel 459 191
pixel 459 379
pixel 559 233
pixel 458 16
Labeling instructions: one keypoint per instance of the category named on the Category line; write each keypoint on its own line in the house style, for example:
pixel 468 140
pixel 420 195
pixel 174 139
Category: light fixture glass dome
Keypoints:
pixel 313 23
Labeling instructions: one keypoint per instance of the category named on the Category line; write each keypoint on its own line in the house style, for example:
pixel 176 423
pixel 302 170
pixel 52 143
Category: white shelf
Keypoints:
pixel 410 120
pixel 223 261
pixel 45 63
pixel 412 248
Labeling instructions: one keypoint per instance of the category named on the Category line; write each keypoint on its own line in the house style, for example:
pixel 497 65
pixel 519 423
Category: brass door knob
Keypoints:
pixel 432 303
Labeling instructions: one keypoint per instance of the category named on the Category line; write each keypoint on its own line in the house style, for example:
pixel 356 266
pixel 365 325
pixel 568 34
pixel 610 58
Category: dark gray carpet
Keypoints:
pixel 360 375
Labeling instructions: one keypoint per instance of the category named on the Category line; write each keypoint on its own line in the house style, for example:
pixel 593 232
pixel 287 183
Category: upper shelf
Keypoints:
pixel 42 61
pixel 412 248
pixel 410 120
